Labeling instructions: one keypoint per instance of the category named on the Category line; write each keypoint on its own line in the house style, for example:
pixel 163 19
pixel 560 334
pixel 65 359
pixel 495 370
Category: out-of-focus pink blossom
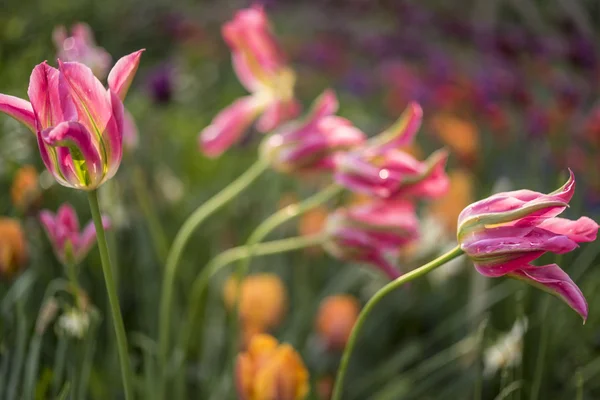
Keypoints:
pixel 504 233
pixel 261 68
pixel 312 144
pixel 81 47
pixel 70 243
pixel 369 232
pixel 78 122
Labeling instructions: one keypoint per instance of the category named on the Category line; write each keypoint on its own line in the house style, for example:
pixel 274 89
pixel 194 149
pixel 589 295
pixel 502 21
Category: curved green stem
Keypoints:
pixel 267 226
pixel 384 291
pixel 126 372
pixel 227 257
pixel 181 239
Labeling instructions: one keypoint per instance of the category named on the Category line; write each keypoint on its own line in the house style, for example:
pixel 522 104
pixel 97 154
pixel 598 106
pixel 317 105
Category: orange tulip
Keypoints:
pixel 13 248
pixel 25 190
pixel 335 320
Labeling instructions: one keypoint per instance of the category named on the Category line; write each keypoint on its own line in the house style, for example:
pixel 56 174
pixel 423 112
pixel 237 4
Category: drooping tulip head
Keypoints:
pixel 311 145
pixel 78 123
pixel 81 47
pixel 70 244
pixel 369 232
pixel 261 68
pixel 270 371
pixel 504 233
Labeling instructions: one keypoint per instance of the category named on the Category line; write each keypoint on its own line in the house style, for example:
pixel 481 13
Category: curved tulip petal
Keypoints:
pixel 508 266
pixel 49 105
pixel 19 109
pixel 67 218
pixel 85 157
pixel 403 131
pixel 228 126
pixel 50 159
pixel 47 220
pixel 122 74
pixel 326 104
pixel 582 230
pixel 113 136
pixel 551 278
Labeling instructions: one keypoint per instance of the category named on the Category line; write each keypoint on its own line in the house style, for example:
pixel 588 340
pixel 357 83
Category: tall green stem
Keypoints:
pixel 183 236
pixel 126 372
pixel 384 291
pixel 267 226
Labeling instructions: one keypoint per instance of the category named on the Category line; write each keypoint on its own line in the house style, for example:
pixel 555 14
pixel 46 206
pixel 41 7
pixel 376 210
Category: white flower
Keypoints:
pixel 74 323
pixel 507 351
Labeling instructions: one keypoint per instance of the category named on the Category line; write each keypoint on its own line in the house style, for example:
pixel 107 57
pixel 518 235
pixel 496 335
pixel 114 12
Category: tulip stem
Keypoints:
pixel 126 372
pixel 227 257
pixel 176 251
pixel 262 231
pixel 381 293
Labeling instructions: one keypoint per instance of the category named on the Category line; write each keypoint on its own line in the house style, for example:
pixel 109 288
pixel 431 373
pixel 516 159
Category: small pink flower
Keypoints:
pixel 369 232
pixel 311 145
pixel 381 170
pixel 78 123
pixel 504 233
pixel 70 244
pixel 81 47
pixel 260 66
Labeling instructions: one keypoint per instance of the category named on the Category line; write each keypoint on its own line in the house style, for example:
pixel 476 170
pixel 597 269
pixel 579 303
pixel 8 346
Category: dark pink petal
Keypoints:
pixel 49 106
pixel 67 218
pixel 90 98
pixel 228 126
pixel 19 109
pixel 384 266
pixel 67 168
pixel 326 104
pixel 403 131
pixel 494 270
pixel 122 74
pixel 47 219
pixel 88 165
pixel 555 281
pixel 582 230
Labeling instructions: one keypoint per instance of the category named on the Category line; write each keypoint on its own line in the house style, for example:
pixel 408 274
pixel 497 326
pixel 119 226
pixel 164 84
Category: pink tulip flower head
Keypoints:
pixel 312 144
pixel 81 47
pixel 372 231
pixel 504 233
pixel 262 70
pixel 78 123
pixel 70 244
pixel 380 169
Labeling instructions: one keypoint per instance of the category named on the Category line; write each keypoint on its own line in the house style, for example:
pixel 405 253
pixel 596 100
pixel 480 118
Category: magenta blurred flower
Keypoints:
pixel 79 124
pixel 370 232
pixel 504 233
pixel 70 244
pixel 379 169
pixel 81 47
pixel 311 145
pixel 261 68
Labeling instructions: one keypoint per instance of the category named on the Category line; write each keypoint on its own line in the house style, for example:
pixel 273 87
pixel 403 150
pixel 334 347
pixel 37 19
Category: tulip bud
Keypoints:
pixel 335 320
pixel 369 232
pixel 310 145
pixel 270 371
pixel 504 233
pixel 13 248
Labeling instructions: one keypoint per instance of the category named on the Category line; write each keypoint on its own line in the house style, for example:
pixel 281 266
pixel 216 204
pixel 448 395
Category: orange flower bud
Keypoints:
pixel 335 320
pixel 263 301
pixel 13 248
pixel 270 371
pixel 25 190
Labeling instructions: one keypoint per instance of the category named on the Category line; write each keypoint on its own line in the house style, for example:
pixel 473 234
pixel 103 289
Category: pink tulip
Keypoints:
pixel 78 123
pixel 369 232
pixel 260 66
pixel 504 233
pixel 70 244
pixel 81 47
pixel 311 145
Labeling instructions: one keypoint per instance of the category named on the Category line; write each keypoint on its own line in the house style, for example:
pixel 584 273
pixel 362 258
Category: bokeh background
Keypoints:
pixel 508 86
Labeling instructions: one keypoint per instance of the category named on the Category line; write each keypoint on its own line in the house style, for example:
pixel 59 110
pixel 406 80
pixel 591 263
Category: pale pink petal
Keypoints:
pixel 122 74
pixel 47 219
pixel 113 136
pixel 19 109
pixel 277 113
pixel 582 230
pixel 130 131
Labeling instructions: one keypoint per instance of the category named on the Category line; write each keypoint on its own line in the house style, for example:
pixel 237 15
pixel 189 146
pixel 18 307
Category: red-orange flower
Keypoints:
pixel 335 320
pixel 13 248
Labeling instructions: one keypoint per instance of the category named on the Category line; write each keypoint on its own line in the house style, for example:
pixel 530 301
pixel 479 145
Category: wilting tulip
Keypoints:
pixel 25 189
pixel 335 320
pixel 369 232
pixel 262 70
pixel 311 145
pixel 263 301
pixel 270 371
pixel 379 169
pixel 504 233
pixel 78 123
pixel 70 244
pixel 13 248
pixel 81 47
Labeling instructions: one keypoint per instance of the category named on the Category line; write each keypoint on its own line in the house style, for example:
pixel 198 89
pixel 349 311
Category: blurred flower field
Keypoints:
pixel 299 200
